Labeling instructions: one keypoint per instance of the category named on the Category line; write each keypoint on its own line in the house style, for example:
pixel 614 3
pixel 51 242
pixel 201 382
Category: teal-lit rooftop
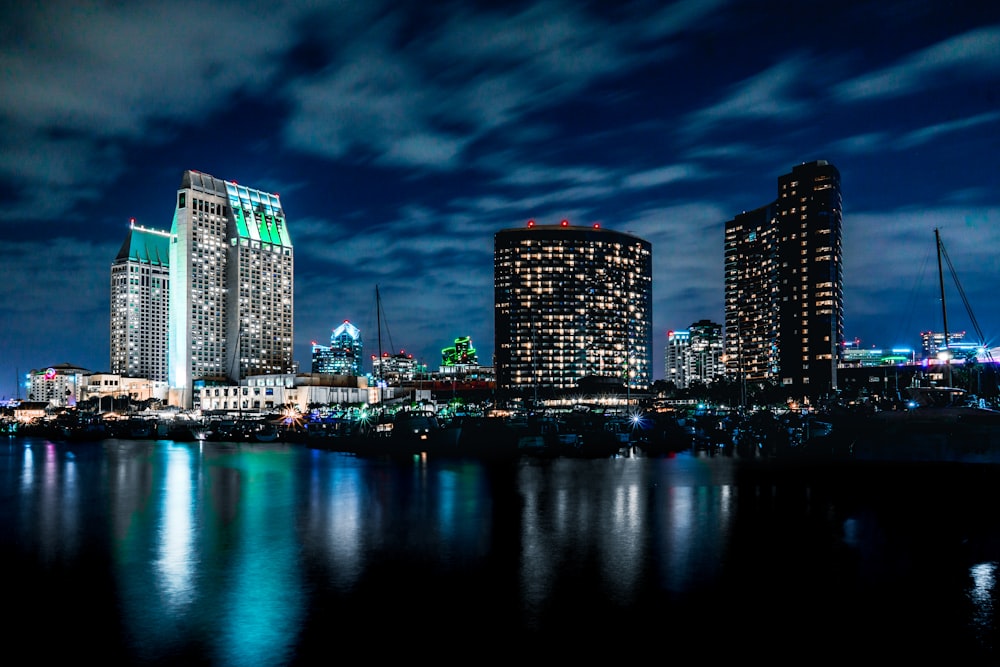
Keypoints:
pixel 258 214
pixel 146 246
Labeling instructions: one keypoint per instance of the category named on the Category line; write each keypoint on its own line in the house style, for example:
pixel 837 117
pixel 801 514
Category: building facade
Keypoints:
pixel 232 285
pixel 344 354
pixel 140 302
pixel 61 385
pixel 103 386
pixel 695 355
pixel 750 298
pixel 675 358
pixel 855 356
pixel 784 295
pixel 705 352
pixel 395 369
pixel 263 393
pixel 571 302
pixel 932 343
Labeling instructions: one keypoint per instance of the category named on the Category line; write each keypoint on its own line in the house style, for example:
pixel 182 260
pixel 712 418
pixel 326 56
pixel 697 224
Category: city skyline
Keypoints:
pixel 402 137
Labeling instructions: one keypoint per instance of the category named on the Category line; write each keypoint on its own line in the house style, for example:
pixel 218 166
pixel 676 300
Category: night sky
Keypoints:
pixel 402 136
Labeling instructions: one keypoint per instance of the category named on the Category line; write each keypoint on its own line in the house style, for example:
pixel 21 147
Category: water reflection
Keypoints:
pixel 981 593
pixel 256 554
pixel 175 559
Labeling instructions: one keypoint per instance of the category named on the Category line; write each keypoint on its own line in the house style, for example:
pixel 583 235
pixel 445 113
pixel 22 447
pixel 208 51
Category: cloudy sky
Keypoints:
pixel 402 136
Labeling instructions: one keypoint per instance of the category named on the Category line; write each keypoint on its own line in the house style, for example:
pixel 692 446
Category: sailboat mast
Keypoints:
pixel 944 309
pixel 378 328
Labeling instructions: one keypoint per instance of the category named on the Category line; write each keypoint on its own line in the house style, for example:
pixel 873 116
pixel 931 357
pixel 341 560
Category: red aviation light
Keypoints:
pixel 531 223
pixel 597 225
pixel 131 221
pixel 564 223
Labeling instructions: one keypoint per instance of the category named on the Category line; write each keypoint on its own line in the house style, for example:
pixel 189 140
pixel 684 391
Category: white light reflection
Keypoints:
pixel 174 564
pixel 696 524
pixel 536 566
pixel 622 563
pixel 28 471
pixel 71 507
pixel 337 503
pixel 49 511
pixel 981 595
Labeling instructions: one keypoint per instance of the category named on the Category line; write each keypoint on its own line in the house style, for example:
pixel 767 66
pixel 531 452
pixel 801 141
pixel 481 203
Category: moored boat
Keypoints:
pixel 940 425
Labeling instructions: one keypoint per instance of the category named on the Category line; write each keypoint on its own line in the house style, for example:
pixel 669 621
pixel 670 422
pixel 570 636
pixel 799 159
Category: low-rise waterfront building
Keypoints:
pixel 261 393
pixel 60 385
pixel 116 386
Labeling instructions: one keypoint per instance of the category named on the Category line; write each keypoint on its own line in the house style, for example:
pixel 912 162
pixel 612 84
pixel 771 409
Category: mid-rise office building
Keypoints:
pixel 675 358
pixel 855 356
pixel 395 369
pixel 932 343
pixel 705 352
pixel 784 285
pixel 343 355
pixel 231 280
pixel 571 302
pixel 140 300
pixel 694 355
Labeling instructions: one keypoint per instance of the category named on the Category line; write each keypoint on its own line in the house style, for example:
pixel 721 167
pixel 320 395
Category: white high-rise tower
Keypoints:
pixel 140 297
pixel 232 279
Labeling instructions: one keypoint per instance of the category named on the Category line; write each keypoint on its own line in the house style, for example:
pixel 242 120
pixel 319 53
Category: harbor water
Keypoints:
pixel 163 553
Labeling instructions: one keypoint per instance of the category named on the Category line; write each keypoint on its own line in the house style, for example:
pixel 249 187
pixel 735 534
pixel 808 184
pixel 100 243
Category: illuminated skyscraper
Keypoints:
pixel 140 297
pixel 231 278
pixel 675 356
pixel 343 356
pixel 571 302
pixel 784 294
pixel 694 355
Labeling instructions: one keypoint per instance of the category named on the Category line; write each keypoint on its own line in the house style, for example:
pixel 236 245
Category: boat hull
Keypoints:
pixel 961 435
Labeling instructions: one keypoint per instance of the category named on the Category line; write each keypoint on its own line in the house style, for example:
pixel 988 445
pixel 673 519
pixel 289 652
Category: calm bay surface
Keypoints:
pixel 161 553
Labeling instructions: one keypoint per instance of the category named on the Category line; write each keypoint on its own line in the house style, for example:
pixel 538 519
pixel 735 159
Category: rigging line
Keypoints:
pixel 383 320
pixel 902 331
pixel 965 300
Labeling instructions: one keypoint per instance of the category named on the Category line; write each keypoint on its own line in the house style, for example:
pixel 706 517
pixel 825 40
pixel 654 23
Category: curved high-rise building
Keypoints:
pixel 571 302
